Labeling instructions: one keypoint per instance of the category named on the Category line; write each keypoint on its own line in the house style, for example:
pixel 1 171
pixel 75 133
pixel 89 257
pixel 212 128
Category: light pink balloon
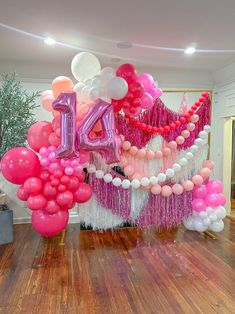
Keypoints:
pixel 146 101
pixel 188 185
pixel 146 80
pixel 197 179
pixel 166 190
pixel 47 102
pixel 38 135
pixel 177 189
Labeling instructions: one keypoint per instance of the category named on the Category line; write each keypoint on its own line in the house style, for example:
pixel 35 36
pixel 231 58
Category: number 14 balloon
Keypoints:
pixel 73 140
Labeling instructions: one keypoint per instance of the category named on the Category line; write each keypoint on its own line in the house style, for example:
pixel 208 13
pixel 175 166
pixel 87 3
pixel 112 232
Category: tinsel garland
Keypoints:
pixel 158 116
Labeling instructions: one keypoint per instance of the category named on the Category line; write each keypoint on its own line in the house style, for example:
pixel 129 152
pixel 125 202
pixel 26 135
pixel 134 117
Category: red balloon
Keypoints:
pixel 65 179
pixel 52 207
pixel 36 202
pixel 128 72
pixel 49 191
pixel 33 185
pixel 49 225
pixel 73 184
pixel 61 188
pixel 136 103
pixel 65 198
pixel 136 89
pixel 22 194
pixel 55 182
pixel 83 193
pixel 19 164
pixel 44 175
pixel 38 135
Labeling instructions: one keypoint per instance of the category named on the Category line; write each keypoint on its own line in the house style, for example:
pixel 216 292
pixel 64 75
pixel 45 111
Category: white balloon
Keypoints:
pixel 144 181
pixel 206 222
pixel 193 149
pixel 107 73
pixel 203 135
pixel 94 93
pixel 88 82
pixel 220 212
pixel 198 142
pixel 78 87
pixel 183 161
pixel 96 82
pixel 207 128
pixel 126 184
pixel 161 177
pixel 170 172
pixel 108 178
pixel 91 169
pixel 153 180
pixel 176 167
pixel 213 217
pixel 85 65
pixel 217 226
pixel 199 226
pixel 117 88
pixel 203 214
pixel 135 183
pixel 99 174
pixel 85 92
pixel 209 210
pixel 188 223
pixel 117 181
pixel 189 155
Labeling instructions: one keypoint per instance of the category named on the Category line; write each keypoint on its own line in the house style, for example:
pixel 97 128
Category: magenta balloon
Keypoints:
pixel 36 202
pixel 200 191
pixel 146 80
pixel 110 142
pixel 64 199
pixel 19 164
pixel 22 194
pixel 215 186
pixel 127 72
pixel 213 200
pixel 222 199
pixel 33 185
pixel 66 105
pixel 146 101
pixel 38 135
pixel 52 207
pixel 49 225
pixel 198 205
pixel 83 193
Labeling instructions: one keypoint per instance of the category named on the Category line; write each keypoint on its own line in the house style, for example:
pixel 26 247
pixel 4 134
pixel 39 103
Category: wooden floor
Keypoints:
pixel 126 271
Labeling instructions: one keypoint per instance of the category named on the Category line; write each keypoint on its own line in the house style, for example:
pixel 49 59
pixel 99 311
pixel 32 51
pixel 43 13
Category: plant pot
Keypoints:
pixel 6 225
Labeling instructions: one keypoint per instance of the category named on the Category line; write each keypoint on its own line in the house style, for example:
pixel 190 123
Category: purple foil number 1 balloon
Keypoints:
pixel 66 105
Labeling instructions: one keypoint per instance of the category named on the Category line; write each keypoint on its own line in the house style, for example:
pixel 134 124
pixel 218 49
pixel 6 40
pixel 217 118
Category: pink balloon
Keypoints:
pixel 45 93
pixel 47 102
pixel 49 191
pixel 166 190
pixel 127 72
pixel 56 123
pixel 19 164
pixel 84 156
pixel 38 135
pixel 198 205
pixel 188 185
pixel 213 200
pixel 64 199
pixel 22 194
pixel 83 193
pixel 52 207
pixel 146 101
pixel 73 184
pixel 222 200
pixel 36 202
pixel 209 164
pixel 146 80
pixel 177 189
pixel 44 175
pixel 49 225
pixel 200 191
pixel 33 185
pixel 54 140
pixel 215 186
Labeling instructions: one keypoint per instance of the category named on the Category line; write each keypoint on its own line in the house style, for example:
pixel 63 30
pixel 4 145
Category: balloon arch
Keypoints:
pixel 116 150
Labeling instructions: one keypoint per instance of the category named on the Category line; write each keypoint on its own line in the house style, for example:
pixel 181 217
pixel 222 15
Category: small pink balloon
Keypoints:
pixel 172 145
pixel 44 161
pixel 146 101
pixel 177 189
pixel 69 171
pixel 33 185
pixel 150 155
pixel 199 205
pixel 194 118
pixel 54 140
pixel 190 127
pixel 52 207
pixel 197 179
pixel 45 93
pixel 200 191
pixel 158 154
pixel 209 164
pixel 64 199
pixel 156 189
pixel 123 162
pixel 179 140
pixel 47 102
pixel 44 151
pixel 133 150
pixel 22 194
pixel 188 185
pixel 146 80
pixel 222 199
pixel 83 193
pixel 141 153
pixel 36 202
pixel 166 151
pixel 215 186
pixel 49 225
pixel 185 133
pixel 205 173
pixel 213 200
pixel 166 190
pixel 38 135
pixel 128 170
pixel 126 145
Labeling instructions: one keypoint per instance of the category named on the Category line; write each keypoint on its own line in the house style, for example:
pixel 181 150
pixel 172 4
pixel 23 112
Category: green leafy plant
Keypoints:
pixel 17 113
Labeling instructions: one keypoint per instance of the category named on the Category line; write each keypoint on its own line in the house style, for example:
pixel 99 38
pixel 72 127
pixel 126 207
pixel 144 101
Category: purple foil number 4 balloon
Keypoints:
pixel 71 140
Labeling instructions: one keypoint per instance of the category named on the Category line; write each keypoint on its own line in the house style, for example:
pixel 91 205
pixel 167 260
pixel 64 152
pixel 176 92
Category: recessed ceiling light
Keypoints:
pixel 190 50
pixel 116 60
pixel 124 44
pixel 49 41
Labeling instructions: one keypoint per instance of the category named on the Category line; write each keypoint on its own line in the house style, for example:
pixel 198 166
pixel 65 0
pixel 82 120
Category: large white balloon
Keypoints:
pixel 199 226
pixel 217 226
pixel 117 88
pixel 84 66
pixel 188 223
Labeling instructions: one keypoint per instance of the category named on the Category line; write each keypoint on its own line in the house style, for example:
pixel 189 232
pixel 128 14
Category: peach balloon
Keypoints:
pixel 185 133
pixel 197 179
pixel 46 93
pixel 166 151
pixel 177 189
pixel 128 170
pixel 141 153
pixel 179 140
pixel 133 150
pixel 156 189
pixel 61 84
pixel 47 102
pixel 126 145
pixel 54 140
pixel 166 190
pixel 188 185
pixel 158 154
pixel 209 164
pixel 205 173
pixel 172 144
pixel 194 118
pixel 191 126
pixel 150 155
pixel 123 162
pixel 55 113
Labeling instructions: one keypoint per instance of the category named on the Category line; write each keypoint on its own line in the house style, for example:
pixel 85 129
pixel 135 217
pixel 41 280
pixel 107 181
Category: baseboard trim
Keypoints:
pixel 73 219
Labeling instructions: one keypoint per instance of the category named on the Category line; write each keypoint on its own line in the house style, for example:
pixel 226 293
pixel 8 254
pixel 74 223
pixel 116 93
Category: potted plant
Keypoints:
pixel 17 109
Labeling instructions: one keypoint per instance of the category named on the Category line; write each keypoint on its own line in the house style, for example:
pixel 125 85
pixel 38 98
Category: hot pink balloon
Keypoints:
pixel 222 199
pixel 146 101
pixel 22 194
pixel 213 200
pixel 33 185
pixel 49 225
pixel 110 142
pixel 36 202
pixel 198 205
pixel 38 135
pixel 127 72
pixel 52 207
pixel 64 199
pixel 19 164
pixel 215 186
pixel 83 193
pixel 200 191
pixel 84 156
pixel 146 80
pixel 66 105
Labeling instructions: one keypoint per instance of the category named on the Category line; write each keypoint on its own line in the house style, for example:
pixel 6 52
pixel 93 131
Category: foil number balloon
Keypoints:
pixel 109 144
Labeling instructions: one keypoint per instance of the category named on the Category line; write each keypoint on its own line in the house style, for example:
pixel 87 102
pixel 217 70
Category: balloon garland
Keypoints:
pixel 107 119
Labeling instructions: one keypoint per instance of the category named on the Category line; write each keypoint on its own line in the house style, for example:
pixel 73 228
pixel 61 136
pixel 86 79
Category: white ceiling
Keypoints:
pixel 99 25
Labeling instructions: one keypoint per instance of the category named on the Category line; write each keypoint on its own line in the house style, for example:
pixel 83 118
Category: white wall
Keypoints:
pixel 168 79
